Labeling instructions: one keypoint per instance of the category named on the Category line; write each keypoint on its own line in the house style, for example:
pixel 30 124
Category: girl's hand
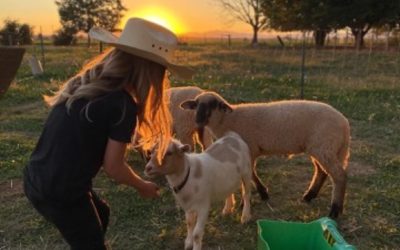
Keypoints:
pixel 149 190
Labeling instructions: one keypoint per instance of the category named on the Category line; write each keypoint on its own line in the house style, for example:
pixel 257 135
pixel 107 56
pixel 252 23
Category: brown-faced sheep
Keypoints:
pixel 284 128
pixel 183 121
pixel 198 180
pixel 184 125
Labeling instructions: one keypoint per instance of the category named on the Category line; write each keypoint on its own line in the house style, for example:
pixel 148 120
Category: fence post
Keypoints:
pixel 100 47
pixel 387 40
pixel 280 41
pixel 303 59
pixel 10 40
pixel 42 48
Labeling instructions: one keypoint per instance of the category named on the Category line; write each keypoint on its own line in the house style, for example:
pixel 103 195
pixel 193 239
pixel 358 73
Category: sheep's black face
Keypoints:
pixel 205 105
pixel 204 112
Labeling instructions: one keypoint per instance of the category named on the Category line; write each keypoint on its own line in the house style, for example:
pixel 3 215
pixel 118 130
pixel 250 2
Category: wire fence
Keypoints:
pixel 376 65
pixel 338 62
pixel 374 39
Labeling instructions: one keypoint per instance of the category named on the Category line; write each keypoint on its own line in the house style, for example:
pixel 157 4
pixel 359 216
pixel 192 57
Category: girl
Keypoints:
pixel 92 120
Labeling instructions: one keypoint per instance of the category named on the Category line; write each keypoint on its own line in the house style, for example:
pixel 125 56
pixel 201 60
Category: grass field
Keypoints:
pixel 364 85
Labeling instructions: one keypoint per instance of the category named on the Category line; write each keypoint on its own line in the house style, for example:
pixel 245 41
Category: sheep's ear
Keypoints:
pixel 225 107
pixel 189 104
pixel 185 148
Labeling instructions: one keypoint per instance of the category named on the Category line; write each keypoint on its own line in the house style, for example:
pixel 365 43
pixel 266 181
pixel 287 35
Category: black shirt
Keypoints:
pixel 71 148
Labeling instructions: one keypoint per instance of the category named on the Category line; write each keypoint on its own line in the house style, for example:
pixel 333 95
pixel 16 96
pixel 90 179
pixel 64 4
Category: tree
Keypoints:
pixel 325 15
pixel 304 15
pixel 25 34
pixel 15 33
pixel 64 37
pixel 362 15
pixel 82 15
pixel 247 11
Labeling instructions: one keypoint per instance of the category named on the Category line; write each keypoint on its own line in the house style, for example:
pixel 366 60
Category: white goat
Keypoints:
pixel 284 128
pixel 198 180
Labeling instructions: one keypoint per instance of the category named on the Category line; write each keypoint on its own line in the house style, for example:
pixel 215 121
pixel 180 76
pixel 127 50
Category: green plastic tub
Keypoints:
pixel 320 234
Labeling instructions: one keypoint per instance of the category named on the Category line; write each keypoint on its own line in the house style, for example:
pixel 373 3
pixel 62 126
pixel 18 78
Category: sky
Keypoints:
pixel 182 16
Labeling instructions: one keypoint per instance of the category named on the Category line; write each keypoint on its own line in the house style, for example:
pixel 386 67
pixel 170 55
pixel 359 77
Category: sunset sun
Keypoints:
pixel 157 15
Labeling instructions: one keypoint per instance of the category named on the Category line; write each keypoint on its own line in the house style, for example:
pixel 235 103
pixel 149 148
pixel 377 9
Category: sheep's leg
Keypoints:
pixel 339 178
pixel 261 189
pixel 186 137
pixel 198 231
pixel 246 193
pixel 190 222
pixel 229 205
pixel 316 182
pixel 339 189
pixel 205 139
pixel 198 136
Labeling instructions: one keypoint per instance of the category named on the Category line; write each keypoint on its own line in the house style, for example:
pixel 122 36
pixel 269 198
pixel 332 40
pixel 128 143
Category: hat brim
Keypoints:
pixel 105 36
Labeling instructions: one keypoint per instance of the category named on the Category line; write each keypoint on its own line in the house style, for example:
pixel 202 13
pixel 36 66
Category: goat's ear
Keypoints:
pixel 185 148
pixel 225 107
pixel 189 104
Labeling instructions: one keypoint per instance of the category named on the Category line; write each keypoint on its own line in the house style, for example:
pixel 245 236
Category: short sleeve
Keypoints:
pixel 122 120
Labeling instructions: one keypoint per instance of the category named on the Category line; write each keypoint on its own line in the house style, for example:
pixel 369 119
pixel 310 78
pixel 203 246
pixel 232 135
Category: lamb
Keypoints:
pixel 284 128
pixel 199 179
pixel 184 127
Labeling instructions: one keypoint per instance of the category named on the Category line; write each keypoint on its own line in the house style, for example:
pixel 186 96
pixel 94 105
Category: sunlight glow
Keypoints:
pixel 157 15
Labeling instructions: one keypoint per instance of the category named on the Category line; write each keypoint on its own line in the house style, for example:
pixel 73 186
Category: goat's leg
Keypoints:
pixel 198 232
pixel 190 222
pixel 246 193
pixel 261 189
pixel 316 183
pixel 229 205
pixel 339 178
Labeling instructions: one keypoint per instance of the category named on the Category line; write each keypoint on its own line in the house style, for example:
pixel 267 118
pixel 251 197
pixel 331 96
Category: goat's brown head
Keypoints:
pixel 206 106
pixel 172 161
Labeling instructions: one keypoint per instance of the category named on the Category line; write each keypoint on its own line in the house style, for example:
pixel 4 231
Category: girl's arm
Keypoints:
pixel 116 167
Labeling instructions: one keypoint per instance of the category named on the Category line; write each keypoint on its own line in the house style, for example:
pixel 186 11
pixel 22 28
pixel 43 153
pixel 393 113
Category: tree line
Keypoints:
pixel 317 16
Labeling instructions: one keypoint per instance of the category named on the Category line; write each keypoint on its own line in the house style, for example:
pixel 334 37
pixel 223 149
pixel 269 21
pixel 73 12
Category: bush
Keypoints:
pixel 25 34
pixel 64 37
pixel 14 33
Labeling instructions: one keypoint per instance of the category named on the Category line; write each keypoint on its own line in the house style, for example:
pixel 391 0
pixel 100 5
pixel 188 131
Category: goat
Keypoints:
pixel 199 179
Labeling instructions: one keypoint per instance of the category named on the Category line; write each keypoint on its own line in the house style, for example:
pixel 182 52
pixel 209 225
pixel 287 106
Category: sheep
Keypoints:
pixel 284 128
pixel 200 179
pixel 184 127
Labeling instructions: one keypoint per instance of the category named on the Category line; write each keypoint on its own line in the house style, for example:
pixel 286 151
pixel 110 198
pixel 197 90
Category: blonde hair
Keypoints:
pixel 144 79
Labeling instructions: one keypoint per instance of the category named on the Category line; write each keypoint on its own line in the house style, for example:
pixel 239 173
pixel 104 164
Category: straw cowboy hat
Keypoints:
pixel 147 40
